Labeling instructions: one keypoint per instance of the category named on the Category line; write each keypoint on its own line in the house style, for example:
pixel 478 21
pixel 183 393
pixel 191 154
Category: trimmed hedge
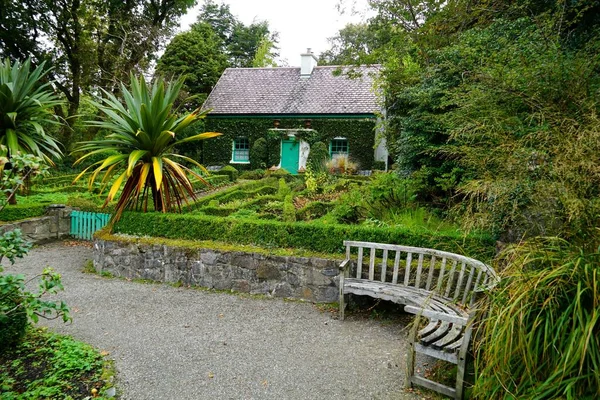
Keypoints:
pixel 313 236
pixel 22 211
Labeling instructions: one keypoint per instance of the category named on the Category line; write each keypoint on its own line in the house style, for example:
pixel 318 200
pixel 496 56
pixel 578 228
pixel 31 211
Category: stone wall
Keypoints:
pixel 307 278
pixel 55 224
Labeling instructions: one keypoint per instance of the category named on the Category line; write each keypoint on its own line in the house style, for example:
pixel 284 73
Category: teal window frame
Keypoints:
pixel 339 146
pixel 240 150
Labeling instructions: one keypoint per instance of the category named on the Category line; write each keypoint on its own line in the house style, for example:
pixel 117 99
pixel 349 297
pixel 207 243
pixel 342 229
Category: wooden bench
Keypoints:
pixel 436 285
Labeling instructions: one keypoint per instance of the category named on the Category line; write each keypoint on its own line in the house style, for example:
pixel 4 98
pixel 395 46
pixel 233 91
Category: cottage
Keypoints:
pixel 293 108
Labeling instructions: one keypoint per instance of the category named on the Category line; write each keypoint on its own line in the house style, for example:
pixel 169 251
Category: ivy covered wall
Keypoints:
pixel 359 132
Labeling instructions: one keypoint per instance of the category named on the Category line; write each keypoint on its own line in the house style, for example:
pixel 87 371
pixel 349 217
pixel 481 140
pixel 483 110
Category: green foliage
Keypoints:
pixel 196 55
pixel 379 165
pixel 320 237
pixel 22 211
pixel 541 338
pixel 15 298
pixel 313 210
pixel 259 154
pixel 289 211
pixel 25 108
pixel 51 366
pixel 253 175
pixel 360 134
pixel 230 171
pixel 318 156
pixel 13 326
pixel 244 45
pixel 281 173
pixel 283 189
pixel 139 150
pixel 354 44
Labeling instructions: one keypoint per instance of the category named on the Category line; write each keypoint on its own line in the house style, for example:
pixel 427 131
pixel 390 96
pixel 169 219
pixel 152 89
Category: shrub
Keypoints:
pixel 281 173
pixel 319 237
pixel 13 326
pixel 541 339
pixel 253 175
pixel 230 171
pixel 289 211
pixel 379 165
pixel 318 156
pixel 284 189
pixel 313 210
pixel 259 154
pixel 22 211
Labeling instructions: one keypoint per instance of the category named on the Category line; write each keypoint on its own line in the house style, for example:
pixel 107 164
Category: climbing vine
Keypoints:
pixel 359 132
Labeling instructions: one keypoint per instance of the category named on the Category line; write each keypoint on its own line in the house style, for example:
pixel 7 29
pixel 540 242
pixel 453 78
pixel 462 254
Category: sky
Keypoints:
pixel 301 23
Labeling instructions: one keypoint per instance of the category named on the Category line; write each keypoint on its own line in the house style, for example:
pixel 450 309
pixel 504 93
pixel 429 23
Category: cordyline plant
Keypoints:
pixel 141 146
pixel 25 107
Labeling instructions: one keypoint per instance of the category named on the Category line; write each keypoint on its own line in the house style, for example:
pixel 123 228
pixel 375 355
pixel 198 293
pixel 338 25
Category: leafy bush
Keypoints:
pixel 379 165
pixel 230 171
pixel 253 175
pixel 313 210
pixel 16 300
pixel 13 326
pixel 283 189
pixel 281 173
pixel 319 237
pixel 22 211
pixel 318 156
pixel 259 154
pixel 541 339
pixel 289 211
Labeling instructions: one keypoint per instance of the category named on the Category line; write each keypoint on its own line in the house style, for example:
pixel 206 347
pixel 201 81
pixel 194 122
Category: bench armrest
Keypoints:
pixel 344 264
pixel 453 319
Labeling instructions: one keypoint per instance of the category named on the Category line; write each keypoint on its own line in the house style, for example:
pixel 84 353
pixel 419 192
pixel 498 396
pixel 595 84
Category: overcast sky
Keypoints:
pixel 300 23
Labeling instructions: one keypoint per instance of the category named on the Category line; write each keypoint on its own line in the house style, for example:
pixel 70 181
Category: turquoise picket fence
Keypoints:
pixel 85 224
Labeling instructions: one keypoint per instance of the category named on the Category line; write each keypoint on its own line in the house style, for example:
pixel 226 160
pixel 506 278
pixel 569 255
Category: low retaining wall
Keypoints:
pixel 56 224
pixel 307 278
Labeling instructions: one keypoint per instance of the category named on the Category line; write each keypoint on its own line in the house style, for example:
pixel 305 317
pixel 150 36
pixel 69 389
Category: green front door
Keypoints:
pixel 290 156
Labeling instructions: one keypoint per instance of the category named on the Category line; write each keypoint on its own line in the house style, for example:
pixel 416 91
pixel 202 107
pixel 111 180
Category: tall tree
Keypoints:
pixel 197 56
pixel 88 43
pixel 354 44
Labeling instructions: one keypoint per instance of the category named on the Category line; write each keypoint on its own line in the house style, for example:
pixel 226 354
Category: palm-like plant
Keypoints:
pixel 25 107
pixel 140 147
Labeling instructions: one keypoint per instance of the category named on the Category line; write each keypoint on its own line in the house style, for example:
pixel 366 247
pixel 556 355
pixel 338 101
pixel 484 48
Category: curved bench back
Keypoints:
pixel 452 276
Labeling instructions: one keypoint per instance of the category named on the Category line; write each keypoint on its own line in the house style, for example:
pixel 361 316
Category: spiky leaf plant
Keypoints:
pixel 541 339
pixel 140 148
pixel 25 107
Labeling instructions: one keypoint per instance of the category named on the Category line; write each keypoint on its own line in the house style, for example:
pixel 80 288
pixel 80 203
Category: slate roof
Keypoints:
pixel 283 91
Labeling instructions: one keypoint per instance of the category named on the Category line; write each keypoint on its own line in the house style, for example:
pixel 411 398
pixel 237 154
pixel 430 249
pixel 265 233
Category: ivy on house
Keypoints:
pixel 359 132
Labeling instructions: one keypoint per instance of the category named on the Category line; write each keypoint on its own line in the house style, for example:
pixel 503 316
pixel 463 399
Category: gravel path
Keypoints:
pixel 176 343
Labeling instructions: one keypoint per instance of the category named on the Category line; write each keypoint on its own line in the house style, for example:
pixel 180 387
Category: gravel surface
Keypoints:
pixel 177 343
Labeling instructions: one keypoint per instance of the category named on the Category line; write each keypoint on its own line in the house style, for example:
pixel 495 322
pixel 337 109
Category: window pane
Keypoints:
pixel 339 146
pixel 241 150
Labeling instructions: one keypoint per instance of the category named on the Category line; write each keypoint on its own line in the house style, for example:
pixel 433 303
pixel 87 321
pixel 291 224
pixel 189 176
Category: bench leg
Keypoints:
pixel 410 359
pixel 342 306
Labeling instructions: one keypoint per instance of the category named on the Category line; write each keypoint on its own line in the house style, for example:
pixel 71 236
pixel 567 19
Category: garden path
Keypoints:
pixel 178 343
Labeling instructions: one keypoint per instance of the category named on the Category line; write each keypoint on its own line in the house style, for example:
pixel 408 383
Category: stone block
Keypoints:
pixel 282 289
pixel 241 285
pixel 268 271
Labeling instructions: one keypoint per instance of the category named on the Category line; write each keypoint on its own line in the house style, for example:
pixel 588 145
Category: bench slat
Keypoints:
pixel 384 265
pixel 407 270
pixel 430 276
pixel 396 266
pixel 438 288
pixel 372 264
pixel 450 279
pixel 468 286
pixel 419 270
pixel 460 281
pixel 359 263
pixel 476 287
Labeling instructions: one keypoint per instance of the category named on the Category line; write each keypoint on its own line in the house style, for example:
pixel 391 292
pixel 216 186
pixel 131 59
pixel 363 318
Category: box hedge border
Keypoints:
pixel 22 211
pixel 309 236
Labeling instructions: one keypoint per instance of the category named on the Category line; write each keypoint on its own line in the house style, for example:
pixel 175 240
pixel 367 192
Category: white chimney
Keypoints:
pixel 308 62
